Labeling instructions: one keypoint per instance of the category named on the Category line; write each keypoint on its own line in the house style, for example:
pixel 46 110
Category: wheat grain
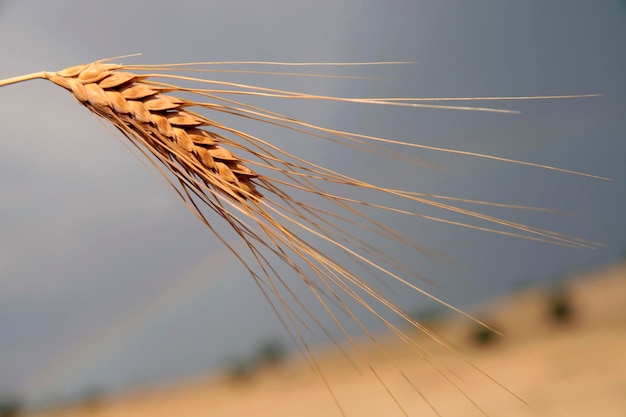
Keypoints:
pixel 256 184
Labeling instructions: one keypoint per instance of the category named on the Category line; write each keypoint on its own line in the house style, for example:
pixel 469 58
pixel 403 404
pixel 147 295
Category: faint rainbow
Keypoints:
pixel 122 330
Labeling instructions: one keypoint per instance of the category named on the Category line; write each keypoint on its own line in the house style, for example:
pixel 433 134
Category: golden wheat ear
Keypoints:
pixel 265 192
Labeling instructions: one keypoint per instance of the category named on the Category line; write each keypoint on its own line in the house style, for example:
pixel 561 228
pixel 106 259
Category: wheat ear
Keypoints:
pixel 255 187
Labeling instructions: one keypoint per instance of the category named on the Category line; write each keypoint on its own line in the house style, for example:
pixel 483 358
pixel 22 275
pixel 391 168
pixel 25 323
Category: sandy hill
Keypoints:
pixel 563 353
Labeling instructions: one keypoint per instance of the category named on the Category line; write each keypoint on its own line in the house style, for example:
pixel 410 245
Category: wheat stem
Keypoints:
pixel 22 78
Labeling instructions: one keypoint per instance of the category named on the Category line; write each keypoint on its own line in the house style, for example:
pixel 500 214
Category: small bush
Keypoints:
pixel 10 407
pixel 560 307
pixel 271 353
pixel 483 336
pixel 240 370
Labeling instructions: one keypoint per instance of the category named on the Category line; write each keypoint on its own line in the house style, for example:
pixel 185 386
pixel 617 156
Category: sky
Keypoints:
pixel 107 280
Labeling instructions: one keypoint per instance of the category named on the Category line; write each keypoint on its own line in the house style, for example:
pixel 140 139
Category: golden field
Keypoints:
pixel 572 367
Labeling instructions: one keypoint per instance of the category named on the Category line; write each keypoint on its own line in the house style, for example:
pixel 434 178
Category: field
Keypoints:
pixel 562 353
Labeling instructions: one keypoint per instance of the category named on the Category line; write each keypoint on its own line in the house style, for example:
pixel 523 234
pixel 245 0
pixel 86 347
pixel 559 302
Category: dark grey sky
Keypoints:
pixel 106 279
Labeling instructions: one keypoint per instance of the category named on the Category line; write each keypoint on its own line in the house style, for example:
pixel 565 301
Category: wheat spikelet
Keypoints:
pixel 253 185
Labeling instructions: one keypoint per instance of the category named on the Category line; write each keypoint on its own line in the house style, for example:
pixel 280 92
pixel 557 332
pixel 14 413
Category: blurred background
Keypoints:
pixel 108 282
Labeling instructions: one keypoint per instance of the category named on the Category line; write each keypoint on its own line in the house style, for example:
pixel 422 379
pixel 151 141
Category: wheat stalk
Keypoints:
pixel 257 187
